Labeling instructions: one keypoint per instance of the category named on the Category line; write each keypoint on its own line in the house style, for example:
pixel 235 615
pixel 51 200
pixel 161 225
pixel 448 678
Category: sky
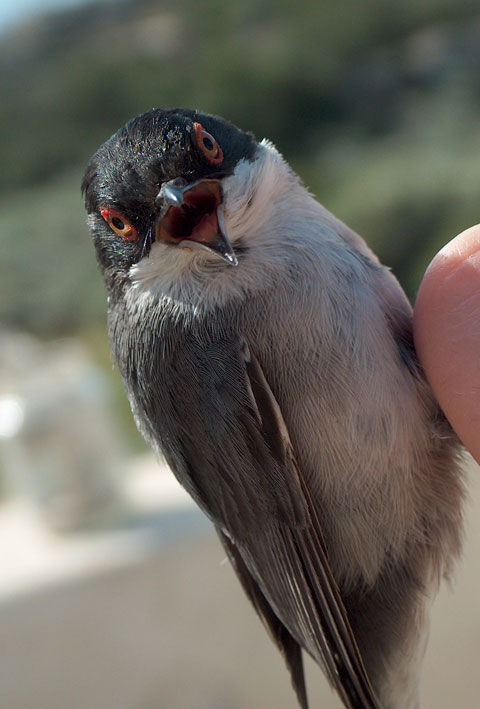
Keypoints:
pixel 12 11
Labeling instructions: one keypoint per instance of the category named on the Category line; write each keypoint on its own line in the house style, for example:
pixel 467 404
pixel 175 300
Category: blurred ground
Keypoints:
pixel 110 621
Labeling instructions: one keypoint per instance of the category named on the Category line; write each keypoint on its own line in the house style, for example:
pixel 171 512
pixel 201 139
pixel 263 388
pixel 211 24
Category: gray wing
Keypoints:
pixel 295 573
pixel 245 477
pixel 288 646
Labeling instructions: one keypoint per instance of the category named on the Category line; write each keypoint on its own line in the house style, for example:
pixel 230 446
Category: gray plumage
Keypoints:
pixel 283 392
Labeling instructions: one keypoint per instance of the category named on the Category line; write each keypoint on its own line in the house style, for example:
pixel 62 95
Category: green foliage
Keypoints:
pixel 374 104
pixel 49 282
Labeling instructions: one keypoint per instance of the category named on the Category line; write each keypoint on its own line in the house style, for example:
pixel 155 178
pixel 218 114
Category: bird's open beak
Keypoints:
pixel 191 216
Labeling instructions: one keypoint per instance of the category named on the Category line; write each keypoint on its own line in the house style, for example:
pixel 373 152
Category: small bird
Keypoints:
pixel 268 356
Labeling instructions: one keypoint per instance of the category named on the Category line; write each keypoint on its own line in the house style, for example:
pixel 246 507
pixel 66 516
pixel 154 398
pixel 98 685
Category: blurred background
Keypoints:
pixel 114 593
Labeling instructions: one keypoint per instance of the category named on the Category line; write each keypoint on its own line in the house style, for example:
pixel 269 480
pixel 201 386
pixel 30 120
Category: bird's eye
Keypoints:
pixel 208 145
pixel 121 226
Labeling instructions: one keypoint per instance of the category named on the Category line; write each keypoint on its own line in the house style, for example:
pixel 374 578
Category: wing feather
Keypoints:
pixel 289 566
pixel 227 441
pixel 288 646
pixel 307 567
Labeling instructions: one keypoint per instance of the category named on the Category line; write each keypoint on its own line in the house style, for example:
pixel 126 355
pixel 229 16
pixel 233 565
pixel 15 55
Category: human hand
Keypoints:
pixel 447 333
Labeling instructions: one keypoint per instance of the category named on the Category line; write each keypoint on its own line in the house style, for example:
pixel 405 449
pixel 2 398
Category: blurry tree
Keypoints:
pixel 374 104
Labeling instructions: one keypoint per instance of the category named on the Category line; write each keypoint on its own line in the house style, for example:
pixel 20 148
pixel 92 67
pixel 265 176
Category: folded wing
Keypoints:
pixel 226 440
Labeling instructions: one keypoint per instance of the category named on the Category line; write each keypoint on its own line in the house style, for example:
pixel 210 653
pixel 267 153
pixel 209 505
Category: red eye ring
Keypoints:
pixel 208 145
pixel 119 224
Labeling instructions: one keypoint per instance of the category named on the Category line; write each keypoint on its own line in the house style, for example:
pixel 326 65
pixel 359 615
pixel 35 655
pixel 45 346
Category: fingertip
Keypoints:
pixel 447 333
pixel 433 300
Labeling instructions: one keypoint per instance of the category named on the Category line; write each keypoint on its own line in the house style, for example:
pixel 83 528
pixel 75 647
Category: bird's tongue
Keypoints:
pixel 206 229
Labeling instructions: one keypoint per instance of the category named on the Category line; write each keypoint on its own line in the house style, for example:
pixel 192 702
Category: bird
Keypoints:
pixel 268 357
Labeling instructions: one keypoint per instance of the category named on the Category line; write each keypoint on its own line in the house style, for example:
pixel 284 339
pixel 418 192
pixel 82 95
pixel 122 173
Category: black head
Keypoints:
pixel 124 177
